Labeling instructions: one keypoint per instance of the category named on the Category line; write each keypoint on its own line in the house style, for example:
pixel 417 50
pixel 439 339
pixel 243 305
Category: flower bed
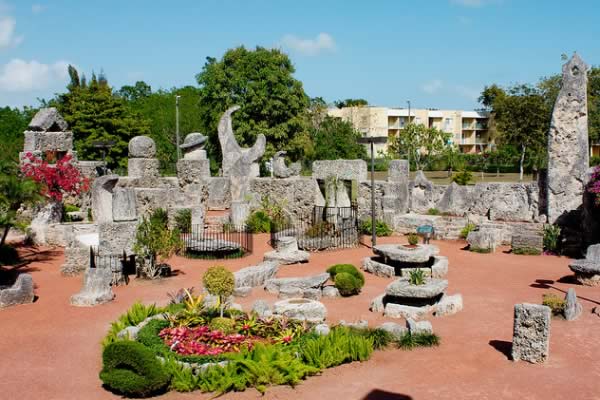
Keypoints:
pixel 187 346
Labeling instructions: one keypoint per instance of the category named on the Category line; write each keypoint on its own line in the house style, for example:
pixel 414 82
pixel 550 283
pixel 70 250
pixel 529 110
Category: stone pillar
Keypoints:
pixel 568 148
pixel 102 197
pixel 398 171
pixel 531 333
pixel 141 163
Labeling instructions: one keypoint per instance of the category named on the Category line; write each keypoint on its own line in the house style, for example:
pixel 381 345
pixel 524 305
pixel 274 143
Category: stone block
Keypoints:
pixel 342 169
pixel 193 171
pixel 243 291
pixel 315 281
pixel 116 237
pixel 531 333
pixel 261 308
pixel 322 329
pixel 143 168
pixel 290 292
pixel 448 305
pixel 301 309
pixel 330 291
pixel 96 288
pixel 377 304
pixel 393 310
pixel 21 292
pixel 439 269
pixel 396 330
pixel 377 268
pixel 419 327
pixel 124 205
pixel 256 275
pixel 573 307
pixel 529 243
pixel 312 294
pixel 398 171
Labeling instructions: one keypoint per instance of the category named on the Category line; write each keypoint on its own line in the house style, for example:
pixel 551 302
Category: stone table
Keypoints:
pixel 400 253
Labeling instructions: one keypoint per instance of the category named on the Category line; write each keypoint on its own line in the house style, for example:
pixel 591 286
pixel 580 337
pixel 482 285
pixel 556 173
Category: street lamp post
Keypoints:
pixel 408 152
pixel 177 126
pixel 372 140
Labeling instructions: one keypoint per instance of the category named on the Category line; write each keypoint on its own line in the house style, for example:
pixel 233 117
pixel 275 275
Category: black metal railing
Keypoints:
pixel 121 265
pixel 324 228
pixel 214 243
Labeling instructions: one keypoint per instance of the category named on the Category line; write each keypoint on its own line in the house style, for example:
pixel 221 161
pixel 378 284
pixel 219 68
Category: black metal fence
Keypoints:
pixel 214 243
pixel 323 228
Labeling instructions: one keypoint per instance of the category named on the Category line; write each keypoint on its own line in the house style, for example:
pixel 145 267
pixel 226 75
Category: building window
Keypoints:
pixel 448 125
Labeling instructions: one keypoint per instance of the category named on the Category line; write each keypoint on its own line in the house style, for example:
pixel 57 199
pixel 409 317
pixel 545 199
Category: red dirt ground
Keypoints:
pixel 51 350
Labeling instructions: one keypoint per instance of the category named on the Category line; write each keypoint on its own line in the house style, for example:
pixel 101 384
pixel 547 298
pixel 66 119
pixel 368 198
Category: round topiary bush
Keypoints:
pixel 347 268
pixel 219 282
pixel 347 284
pixel 132 369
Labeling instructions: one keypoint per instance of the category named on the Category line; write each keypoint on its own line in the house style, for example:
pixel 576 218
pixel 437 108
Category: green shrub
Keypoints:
pixel 409 341
pixel 219 282
pixel 527 251
pixel 70 208
pixel 417 277
pixel 433 211
pixel 183 220
pixel 136 314
pixel 154 240
pixel 342 345
pixel 464 232
pixel 413 239
pixel 348 268
pixel 132 369
pixel 464 177
pixel 551 237
pixel 595 160
pixel 225 325
pixel 347 284
pixel 380 338
pixel 381 228
pixel 556 303
pixel 482 250
pixel 259 222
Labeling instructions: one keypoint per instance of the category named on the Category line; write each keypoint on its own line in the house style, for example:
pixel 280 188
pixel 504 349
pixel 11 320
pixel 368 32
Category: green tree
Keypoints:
pixel 522 118
pixel 335 139
pixel 15 191
pixel 13 122
pixel 158 109
pixel 420 143
pixel 94 113
pixel 350 103
pixel 261 82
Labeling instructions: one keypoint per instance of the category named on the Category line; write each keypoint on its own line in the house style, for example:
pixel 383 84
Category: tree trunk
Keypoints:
pixel 521 163
pixel 4 235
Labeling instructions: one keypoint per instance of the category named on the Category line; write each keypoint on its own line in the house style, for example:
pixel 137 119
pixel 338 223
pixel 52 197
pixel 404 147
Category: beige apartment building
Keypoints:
pixel 469 129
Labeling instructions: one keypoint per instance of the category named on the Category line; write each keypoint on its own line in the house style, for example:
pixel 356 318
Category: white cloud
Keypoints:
pixel 433 86
pixel 322 43
pixel 37 8
pixel 23 76
pixel 7 32
pixel 468 92
pixel 464 20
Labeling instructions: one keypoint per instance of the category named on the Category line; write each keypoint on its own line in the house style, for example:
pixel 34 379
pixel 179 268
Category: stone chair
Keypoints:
pixel 587 270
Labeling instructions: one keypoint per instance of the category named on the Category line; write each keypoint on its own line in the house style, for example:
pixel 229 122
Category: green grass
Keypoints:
pixel 410 341
pixel 527 251
pixel 441 177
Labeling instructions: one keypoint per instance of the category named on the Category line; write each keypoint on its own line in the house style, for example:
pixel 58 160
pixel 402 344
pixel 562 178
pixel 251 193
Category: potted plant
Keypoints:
pixel 413 240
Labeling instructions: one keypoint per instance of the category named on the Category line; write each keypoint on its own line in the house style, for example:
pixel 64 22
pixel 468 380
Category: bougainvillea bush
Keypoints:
pixel 57 180
pixel 594 185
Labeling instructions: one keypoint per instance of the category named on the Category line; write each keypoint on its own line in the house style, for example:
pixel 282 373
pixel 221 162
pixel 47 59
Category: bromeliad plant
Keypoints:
pixel 203 341
pixel 417 277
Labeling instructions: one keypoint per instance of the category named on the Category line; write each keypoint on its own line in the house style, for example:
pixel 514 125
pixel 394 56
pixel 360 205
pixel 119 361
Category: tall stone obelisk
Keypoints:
pixel 568 147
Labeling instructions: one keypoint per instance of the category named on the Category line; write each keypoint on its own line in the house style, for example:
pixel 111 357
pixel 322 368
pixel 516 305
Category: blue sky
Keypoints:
pixel 436 53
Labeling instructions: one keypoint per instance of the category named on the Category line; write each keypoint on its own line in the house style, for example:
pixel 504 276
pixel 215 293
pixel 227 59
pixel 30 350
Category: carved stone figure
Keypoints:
pixel 280 170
